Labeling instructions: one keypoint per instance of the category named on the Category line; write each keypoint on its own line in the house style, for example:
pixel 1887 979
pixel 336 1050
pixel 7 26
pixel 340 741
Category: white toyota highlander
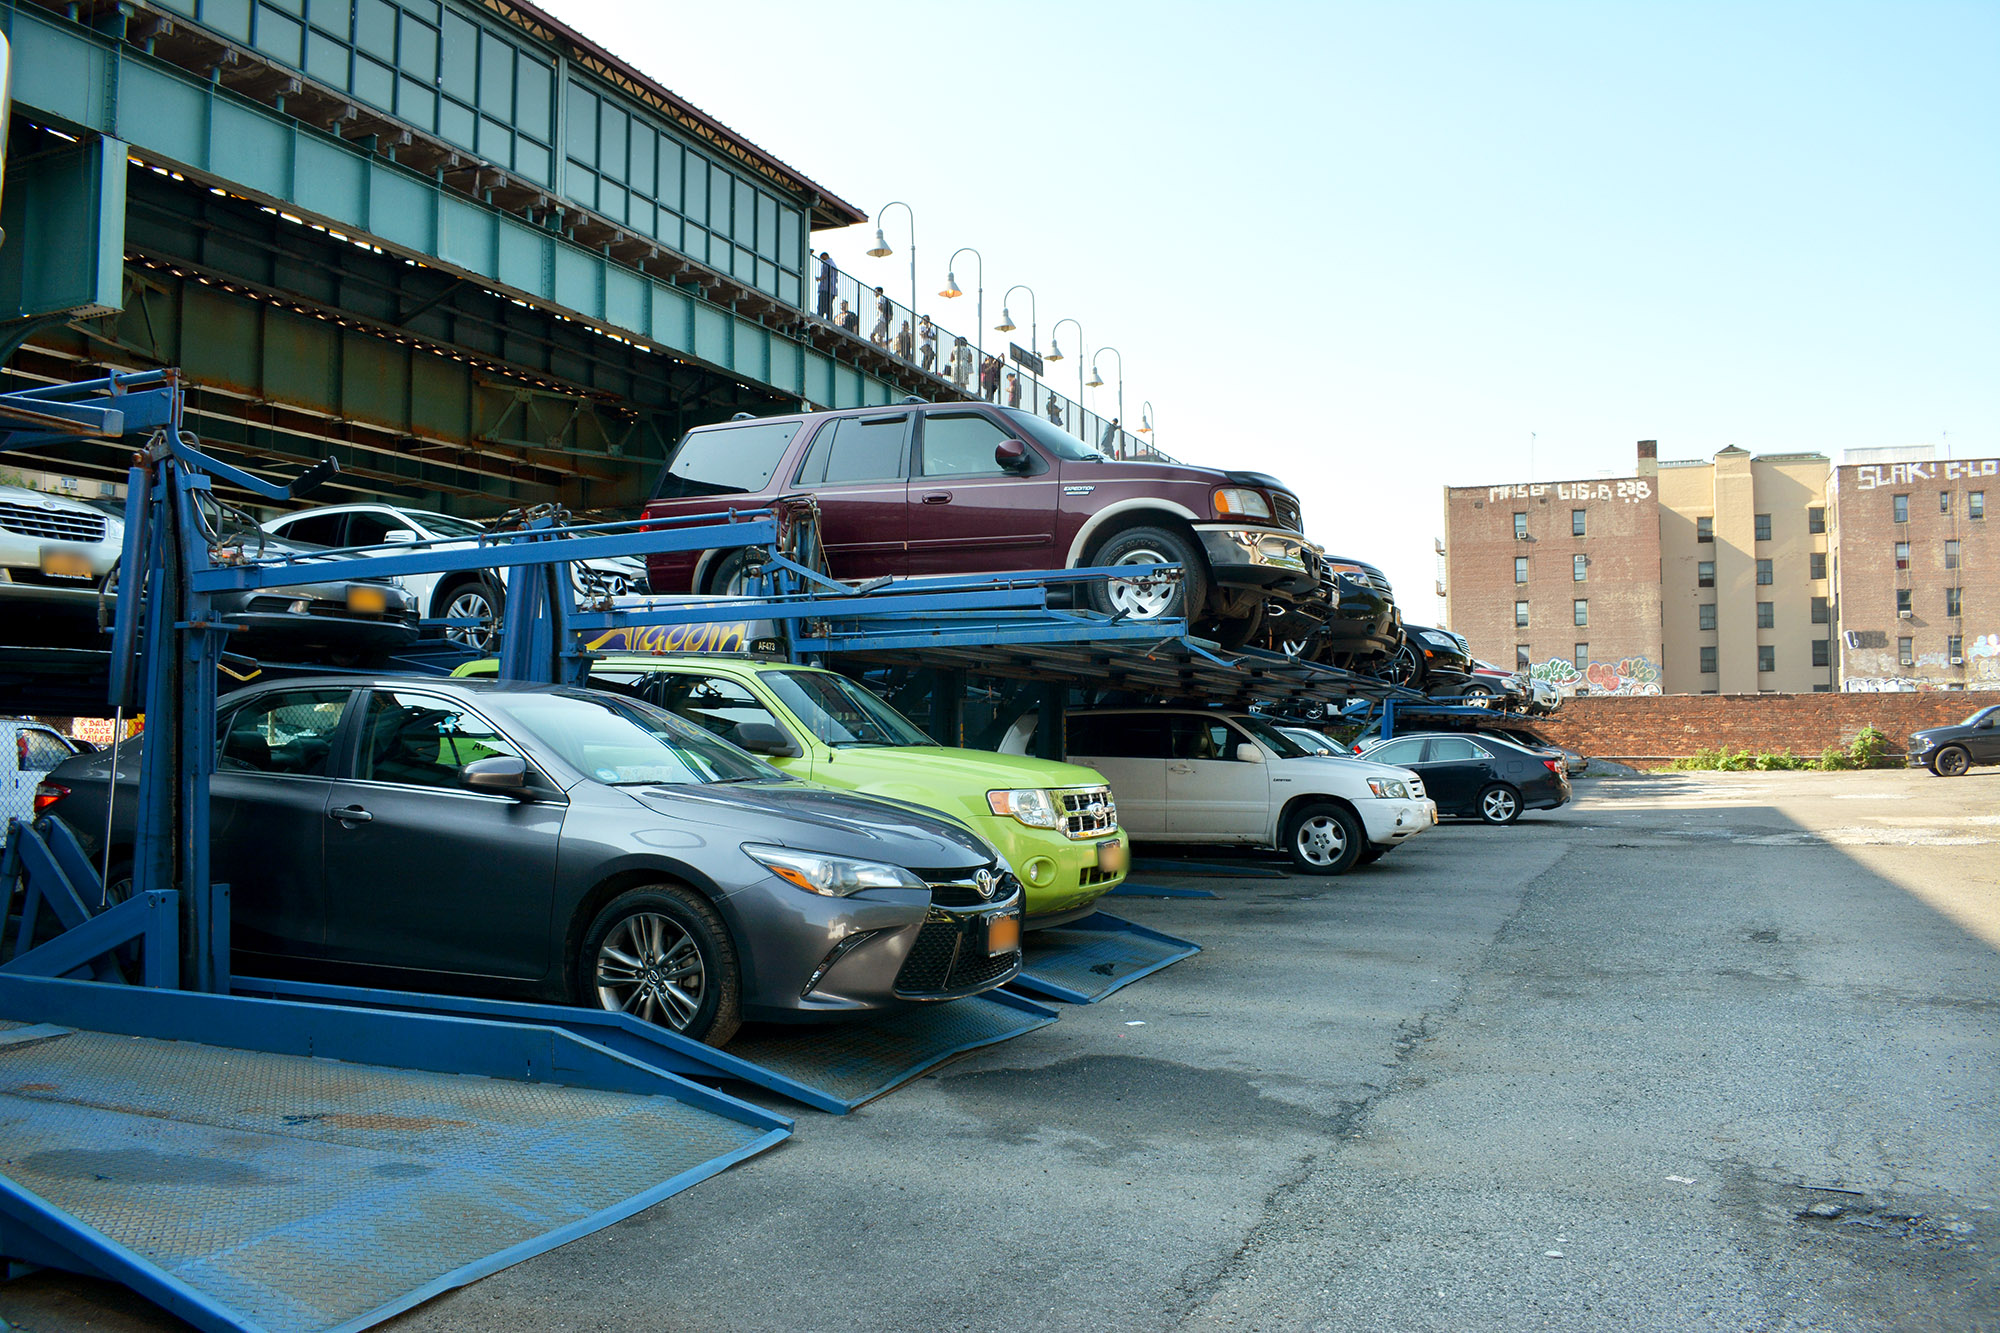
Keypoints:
pixel 1195 776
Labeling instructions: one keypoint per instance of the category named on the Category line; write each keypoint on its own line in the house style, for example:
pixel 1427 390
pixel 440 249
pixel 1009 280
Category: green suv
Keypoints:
pixel 1055 824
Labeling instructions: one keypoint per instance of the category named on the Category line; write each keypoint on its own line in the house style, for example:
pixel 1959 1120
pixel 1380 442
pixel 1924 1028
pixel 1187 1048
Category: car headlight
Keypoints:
pixel 1242 503
pixel 1031 805
pixel 1393 787
pixel 833 876
pixel 1445 642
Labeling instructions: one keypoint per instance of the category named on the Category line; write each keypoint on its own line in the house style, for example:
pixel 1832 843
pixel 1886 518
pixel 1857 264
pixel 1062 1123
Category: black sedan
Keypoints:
pixel 569 846
pixel 1477 776
pixel 1434 660
pixel 1950 751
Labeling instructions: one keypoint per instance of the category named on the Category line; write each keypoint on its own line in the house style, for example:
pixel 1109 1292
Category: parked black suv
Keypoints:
pixel 1355 626
pixel 1950 751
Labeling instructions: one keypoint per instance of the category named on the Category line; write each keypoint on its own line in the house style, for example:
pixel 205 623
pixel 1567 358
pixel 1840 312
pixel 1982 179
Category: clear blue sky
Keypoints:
pixel 1371 247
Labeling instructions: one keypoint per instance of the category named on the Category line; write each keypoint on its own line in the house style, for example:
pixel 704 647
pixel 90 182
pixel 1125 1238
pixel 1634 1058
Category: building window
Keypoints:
pixel 1520 525
pixel 1902 555
pixel 1951 554
pixel 1576 528
pixel 1975 504
pixel 1815 519
pixel 1906 652
pixel 1704 529
pixel 1708 659
pixel 1944 502
pixel 1520 569
pixel 1521 660
pixel 1578 566
pixel 1705 615
pixel 1582 658
pixel 1704 574
pixel 1763 527
pixel 1954 648
pixel 1820 653
pixel 1767 615
pixel 1763 573
pixel 1582 611
pixel 1902 504
pixel 1520 615
pixel 1902 601
pixel 1816 565
pixel 1819 611
pixel 1951 601
pixel 1767 657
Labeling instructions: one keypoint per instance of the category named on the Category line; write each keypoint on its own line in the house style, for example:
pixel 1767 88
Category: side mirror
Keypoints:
pixel 399 535
pixel 1011 455
pixel 766 738
pixel 1246 753
pixel 503 774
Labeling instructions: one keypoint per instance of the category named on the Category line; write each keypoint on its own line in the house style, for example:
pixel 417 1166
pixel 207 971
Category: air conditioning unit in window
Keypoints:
pixel 1958 661
pixel 1908 661
pixel 1905 615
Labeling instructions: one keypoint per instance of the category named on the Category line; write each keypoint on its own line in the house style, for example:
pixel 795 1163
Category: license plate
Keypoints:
pixel 363 600
pixel 1111 856
pixel 1003 934
pixel 65 564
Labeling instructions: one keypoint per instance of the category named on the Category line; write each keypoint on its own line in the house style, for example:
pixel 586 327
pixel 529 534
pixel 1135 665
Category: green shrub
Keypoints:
pixel 1871 749
pixel 1834 759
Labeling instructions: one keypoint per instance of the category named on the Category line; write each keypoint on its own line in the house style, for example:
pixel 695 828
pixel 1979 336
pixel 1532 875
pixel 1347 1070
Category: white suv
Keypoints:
pixel 1189 775
pixel 52 546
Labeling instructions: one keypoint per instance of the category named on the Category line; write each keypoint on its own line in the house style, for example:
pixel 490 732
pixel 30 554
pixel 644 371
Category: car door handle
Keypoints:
pixel 1180 768
pixel 937 497
pixel 352 814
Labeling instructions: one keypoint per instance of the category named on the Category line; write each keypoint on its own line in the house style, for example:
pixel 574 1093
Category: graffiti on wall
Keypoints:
pixel 1629 675
pixel 1868 666
pixel 1873 476
pixel 1633 490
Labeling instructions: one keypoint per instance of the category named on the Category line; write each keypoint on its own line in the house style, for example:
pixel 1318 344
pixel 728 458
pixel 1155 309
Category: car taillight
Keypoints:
pixel 47 794
pixel 20 751
pixel 1553 765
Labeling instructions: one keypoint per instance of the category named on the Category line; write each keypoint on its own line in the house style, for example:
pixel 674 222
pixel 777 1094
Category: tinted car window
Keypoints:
pixel 731 460
pixel 420 740
pixel 283 733
pixel 856 449
pixel 1446 748
pixel 716 704
pixel 957 445
pixel 319 529
pixel 626 743
pixel 371 529
pixel 840 712
pixel 1050 436
pixel 1397 752
pixel 1201 738
pixel 1119 736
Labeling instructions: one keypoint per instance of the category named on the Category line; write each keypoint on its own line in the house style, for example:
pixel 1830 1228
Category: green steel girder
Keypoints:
pixel 63 70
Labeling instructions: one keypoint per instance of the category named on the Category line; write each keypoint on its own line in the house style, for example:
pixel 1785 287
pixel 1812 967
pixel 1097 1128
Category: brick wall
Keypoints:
pixel 1672 726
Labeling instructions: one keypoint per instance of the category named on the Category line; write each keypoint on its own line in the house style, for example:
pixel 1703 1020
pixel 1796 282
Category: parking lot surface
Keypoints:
pixel 1698 1051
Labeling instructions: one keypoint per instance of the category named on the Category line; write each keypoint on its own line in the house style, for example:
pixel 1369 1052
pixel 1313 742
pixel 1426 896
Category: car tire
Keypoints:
pixel 1406 666
pixel 1374 852
pixel 662 954
pixel 1951 762
pixel 1478 696
pixel 726 578
pixel 473 598
pixel 1500 804
pixel 1149 546
pixel 1324 839
pixel 1233 632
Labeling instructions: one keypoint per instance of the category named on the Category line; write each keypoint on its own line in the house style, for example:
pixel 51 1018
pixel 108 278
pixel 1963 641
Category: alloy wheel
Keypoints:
pixel 471 603
pixel 1402 668
pixel 651 968
pixel 1952 763
pixel 1321 840
pixel 1499 805
pixel 1142 599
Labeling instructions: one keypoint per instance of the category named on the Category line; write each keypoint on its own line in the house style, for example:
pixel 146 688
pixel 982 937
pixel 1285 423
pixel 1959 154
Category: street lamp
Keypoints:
pixel 979 300
pixel 882 250
pixel 1097 381
pixel 1146 424
pixel 1007 325
pixel 1055 354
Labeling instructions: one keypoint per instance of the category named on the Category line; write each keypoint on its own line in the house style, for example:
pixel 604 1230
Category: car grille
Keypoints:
pixel 58 524
pixel 937 965
pixel 1087 811
pixel 1285 511
pixel 965 892
pixel 1416 788
pixel 1091 876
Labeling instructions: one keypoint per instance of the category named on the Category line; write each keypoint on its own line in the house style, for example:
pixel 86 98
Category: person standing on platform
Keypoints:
pixel 989 380
pixel 829 277
pixel 849 320
pixel 1013 389
pixel 879 335
pixel 927 343
pixel 1109 444
pixel 1053 410
pixel 905 346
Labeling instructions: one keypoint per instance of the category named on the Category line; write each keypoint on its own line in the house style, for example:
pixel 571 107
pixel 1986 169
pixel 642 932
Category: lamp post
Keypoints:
pixel 979 299
pixel 881 250
pixel 1097 382
pixel 1007 324
pixel 1055 354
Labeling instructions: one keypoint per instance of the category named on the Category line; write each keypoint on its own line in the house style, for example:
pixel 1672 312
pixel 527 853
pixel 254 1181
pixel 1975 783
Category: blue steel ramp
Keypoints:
pixel 285 1193
pixel 1086 960
pixel 833 1067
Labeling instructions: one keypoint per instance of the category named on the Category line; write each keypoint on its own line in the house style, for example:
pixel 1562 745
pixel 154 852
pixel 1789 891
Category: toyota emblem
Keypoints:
pixel 984 882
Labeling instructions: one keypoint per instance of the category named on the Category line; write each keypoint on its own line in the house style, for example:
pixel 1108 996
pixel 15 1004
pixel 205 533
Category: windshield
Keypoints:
pixel 1052 438
pixel 1280 744
pixel 840 712
pixel 444 525
pixel 625 743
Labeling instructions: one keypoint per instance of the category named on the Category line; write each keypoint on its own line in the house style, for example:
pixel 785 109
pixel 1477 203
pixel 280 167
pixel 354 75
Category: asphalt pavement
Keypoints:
pixel 1714 1051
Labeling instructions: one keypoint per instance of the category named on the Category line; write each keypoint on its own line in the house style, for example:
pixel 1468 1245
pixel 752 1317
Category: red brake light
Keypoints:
pixel 20 750
pixel 47 794
pixel 1553 765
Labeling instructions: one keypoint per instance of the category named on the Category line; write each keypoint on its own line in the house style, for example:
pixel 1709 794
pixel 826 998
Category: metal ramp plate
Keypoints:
pixel 853 1064
pixel 1086 960
pixel 247 1190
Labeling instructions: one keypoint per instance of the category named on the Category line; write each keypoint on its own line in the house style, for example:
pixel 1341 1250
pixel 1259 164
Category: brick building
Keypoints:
pixel 1916 572
pixel 1562 578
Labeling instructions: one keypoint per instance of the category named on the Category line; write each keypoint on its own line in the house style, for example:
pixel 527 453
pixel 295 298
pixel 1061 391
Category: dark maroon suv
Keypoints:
pixel 971 488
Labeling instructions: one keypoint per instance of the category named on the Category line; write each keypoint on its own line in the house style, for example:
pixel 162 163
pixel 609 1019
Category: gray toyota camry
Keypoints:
pixel 565 845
